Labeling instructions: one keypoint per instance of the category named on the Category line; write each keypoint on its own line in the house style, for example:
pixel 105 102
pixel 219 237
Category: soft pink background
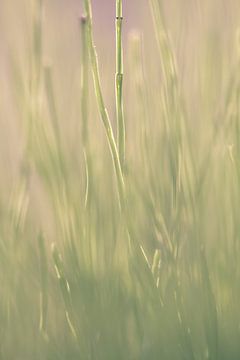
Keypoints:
pixel 195 27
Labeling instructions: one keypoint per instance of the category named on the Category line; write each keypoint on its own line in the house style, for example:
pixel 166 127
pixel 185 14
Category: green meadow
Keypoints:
pixel 120 183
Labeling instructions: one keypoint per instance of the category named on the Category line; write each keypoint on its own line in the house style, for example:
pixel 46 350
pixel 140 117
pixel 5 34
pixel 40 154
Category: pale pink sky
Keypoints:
pixel 191 24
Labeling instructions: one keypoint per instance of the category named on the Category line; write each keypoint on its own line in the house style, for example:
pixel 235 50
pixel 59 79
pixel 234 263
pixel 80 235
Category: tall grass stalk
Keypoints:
pixel 43 264
pixel 35 65
pixel 119 83
pixel 134 247
pixel 84 106
pixel 48 82
pixel 102 108
pixel 64 288
pixel 181 162
pixel 173 117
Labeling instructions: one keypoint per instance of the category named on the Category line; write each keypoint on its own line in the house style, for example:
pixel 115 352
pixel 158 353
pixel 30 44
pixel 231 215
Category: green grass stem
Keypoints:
pixel 119 83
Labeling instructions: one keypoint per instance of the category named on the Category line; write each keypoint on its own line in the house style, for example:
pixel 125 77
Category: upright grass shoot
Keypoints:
pixel 43 264
pixel 84 106
pixel 101 106
pixel 119 83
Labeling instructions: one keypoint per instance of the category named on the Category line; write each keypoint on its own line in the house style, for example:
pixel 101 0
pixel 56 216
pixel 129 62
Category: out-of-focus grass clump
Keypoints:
pixel 118 241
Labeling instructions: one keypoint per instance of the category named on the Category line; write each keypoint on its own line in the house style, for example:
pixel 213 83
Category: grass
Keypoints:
pixel 119 83
pixel 120 239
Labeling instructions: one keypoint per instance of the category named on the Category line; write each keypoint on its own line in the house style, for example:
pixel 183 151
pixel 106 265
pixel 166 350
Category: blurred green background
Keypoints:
pixel 157 278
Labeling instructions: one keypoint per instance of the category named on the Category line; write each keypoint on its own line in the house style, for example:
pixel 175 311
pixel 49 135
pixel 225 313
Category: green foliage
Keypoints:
pixel 140 253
